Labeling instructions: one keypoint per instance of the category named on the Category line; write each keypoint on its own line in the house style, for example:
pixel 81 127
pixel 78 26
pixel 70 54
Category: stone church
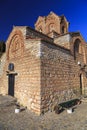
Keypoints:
pixel 44 66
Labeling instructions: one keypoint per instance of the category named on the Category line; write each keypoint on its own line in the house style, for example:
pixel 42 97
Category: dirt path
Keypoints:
pixel 26 120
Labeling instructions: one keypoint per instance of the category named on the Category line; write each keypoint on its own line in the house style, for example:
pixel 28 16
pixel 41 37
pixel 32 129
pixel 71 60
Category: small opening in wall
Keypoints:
pixel 11 67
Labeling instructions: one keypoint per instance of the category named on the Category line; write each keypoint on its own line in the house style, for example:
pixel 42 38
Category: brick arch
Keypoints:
pixel 79 50
pixel 63 26
pixel 76 48
pixel 51 27
pixel 16 45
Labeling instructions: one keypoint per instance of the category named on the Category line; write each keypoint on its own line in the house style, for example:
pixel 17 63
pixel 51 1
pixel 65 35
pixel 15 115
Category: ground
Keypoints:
pixel 25 120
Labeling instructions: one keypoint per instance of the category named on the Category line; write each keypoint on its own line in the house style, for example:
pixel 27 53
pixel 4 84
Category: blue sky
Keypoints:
pixel 26 12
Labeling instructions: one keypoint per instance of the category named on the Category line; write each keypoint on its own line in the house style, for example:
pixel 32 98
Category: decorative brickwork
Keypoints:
pixel 16 45
pixel 52 23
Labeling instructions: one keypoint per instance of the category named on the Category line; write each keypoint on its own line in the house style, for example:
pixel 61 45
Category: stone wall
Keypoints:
pixel 63 41
pixel 25 57
pixel 2 63
pixel 27 88
pixel 33 34
pixel 3 76
pixel 59 76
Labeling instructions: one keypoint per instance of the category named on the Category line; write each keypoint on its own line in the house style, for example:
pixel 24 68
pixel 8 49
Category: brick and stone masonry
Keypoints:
pixel 46 70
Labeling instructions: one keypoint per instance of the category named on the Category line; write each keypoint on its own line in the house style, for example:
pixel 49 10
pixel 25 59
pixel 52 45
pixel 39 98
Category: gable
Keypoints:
pixel 77 35
pixel 40 19
pixel 53 16
pixel 15 44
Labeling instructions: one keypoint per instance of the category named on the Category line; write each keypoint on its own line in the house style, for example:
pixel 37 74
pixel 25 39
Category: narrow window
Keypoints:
pixel 63 29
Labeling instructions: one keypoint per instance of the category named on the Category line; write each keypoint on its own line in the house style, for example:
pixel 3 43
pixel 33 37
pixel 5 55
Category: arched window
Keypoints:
pixel 16 46
pixel 62 30
pixel 51 27
pixel 77 48
pixel 40 29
